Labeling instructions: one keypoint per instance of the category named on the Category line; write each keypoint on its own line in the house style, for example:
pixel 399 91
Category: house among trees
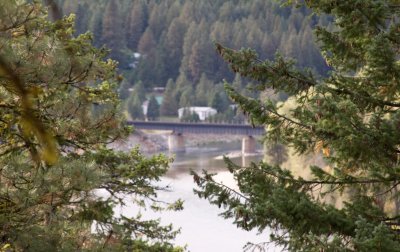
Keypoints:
pixel 202 112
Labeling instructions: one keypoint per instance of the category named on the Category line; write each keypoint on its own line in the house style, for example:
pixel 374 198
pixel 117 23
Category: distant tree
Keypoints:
pixel 188 12
pixel 173 44
pixel 196 60
pixel 96 27
pixel 68 6
pixel 153 109
pixel 197 52
pixel 123 89
pixel 161 66
pixel 147 70
pixel 269 46
pixel 111 34
pixel 169 105
pixel 219 102
pixel 227 11
pixel 135 108
pixel 189 116
pixel 237 83
pixel 290 48
pixel 187 98
pixel 139 91
pixel 136 24
pixel 216 102
pixel 227 116
pixel 157 20
pixel 82 22
pixel 203 90
pixel 174 10
pixel 254 34
pixel 147 44
pixel 200 57
pixel 181 83
pixel 181 33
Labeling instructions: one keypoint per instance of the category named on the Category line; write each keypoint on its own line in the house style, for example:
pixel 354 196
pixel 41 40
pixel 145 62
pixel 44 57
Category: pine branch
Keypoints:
pixel 223 186
pixel 325 182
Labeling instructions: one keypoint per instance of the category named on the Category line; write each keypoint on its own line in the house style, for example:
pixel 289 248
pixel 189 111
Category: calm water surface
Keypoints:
pixel 201 227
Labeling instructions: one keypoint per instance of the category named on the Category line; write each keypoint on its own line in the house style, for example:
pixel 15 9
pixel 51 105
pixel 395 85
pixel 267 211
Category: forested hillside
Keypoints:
pixel 175 38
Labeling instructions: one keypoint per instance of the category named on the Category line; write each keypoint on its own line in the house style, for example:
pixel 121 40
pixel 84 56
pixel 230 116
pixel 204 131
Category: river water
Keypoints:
pixel 202 230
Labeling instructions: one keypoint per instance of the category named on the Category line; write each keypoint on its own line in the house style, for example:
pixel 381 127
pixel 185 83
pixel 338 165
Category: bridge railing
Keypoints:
pixel 211 121
pixel 199 128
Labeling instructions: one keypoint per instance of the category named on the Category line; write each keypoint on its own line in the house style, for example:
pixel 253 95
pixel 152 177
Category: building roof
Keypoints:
pixel 199 109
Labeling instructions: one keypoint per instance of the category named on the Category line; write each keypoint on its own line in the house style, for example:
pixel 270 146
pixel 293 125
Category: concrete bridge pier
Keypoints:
pixel 248 145
pixel 176 142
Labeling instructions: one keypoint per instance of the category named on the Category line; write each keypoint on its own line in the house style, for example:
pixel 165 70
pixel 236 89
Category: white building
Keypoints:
pixel 145 107
pixel 202 112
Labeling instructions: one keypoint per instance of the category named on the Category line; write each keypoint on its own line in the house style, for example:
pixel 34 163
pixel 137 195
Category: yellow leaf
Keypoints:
pixel 318 146
pixel 326 151
pixel 6 247
pixel 50 155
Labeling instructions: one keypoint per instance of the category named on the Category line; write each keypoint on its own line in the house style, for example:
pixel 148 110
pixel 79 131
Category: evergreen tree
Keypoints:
pixel 217 102
pixel 237 83
pixel 124 90
pixel 81 24
pixel 169 106
pixel 136 24
pixel 181 83
pixel 161 66
pixel 195 61
pixel 147 68
pixel 153 109
pixel 139 92
pixel 96 27
pixel 187 98
pixel 135 108
pixel 157 20
pixel 112 36
pixel 181 32
pixel 68 6
pixel 59 111
pixel 198 56
pixel 174 44
pixel 350 117
pixel 218 99
pixel 189 116
pixel 203 91
pixel 147 43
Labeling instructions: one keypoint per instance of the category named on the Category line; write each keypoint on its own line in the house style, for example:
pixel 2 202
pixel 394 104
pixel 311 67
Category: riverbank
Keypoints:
pixel 237 154
pixel 157 141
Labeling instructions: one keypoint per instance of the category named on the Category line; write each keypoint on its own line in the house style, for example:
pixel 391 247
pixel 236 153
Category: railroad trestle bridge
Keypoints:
pixel 176 141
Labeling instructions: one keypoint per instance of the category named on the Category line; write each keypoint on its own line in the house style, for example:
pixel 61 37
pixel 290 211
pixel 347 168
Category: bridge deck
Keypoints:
pixel 200 128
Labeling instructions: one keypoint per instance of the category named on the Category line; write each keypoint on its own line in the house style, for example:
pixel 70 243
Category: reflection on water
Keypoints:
pixel 201 227
pixel 202 230
pixel 207 158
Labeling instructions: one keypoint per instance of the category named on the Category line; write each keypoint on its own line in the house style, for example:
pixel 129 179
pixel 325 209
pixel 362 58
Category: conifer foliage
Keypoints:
pixel 153 109
pixel 58 112
pixel 351 116
pixel 175 37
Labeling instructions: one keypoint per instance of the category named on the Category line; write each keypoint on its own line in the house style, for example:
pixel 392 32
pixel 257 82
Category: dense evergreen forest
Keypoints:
pixel 175 39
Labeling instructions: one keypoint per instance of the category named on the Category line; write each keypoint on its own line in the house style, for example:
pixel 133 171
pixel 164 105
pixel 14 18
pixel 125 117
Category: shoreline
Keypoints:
pixel 157 141
pixel 237 154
